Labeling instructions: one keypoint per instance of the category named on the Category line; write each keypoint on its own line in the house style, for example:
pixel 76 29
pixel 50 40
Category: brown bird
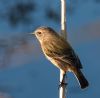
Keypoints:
pixel 60 53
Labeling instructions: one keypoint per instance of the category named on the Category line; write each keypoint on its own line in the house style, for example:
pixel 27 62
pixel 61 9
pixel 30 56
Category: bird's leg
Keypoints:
pixel 62 82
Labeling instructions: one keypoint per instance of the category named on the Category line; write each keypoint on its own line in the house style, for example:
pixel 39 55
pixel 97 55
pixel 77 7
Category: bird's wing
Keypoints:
pixel 71 58
pixel 66 55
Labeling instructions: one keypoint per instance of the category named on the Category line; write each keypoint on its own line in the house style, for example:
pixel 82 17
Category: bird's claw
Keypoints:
pixel 62 84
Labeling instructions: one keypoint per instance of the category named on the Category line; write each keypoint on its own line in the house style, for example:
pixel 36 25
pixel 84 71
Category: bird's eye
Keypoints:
pixel 39 32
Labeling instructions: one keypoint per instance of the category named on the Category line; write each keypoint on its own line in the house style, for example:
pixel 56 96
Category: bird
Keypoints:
pixel 61 54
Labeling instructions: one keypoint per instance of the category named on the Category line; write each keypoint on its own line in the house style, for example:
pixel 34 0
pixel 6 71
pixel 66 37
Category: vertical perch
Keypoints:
pixel 62 90
pixel 63 19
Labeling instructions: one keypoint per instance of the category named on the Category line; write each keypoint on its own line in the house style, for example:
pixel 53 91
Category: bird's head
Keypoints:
pixel 43 33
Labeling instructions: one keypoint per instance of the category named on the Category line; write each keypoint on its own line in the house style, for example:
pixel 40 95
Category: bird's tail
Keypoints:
pixel 82 80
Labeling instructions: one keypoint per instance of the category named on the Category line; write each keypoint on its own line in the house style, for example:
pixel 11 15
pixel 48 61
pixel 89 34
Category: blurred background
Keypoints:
pixel 24 71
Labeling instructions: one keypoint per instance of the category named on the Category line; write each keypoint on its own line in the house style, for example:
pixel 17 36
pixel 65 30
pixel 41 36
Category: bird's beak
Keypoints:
pixel 33 33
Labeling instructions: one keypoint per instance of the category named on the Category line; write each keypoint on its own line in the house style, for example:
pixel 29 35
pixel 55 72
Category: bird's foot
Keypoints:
pixel 62 84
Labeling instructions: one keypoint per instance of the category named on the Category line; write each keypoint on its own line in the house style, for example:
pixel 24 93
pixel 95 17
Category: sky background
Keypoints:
pixel 24 71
